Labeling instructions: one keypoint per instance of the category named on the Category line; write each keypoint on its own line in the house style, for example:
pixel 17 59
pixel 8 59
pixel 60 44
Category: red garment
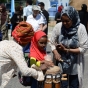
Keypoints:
pixel 34 51
pixel 60 8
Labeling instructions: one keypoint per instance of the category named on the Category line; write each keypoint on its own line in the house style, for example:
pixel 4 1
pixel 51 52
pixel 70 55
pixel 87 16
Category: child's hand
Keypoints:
pixel 49 63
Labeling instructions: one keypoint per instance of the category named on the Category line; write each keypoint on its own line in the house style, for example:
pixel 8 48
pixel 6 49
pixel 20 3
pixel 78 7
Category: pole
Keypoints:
pixel 12 7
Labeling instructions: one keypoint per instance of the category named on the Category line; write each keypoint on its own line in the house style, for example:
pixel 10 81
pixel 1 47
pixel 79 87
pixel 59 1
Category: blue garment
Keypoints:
pixel 72 82
pixel 0 36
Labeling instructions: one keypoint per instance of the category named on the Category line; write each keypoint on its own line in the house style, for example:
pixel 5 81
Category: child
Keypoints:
pixel 37 50
pixel 37 53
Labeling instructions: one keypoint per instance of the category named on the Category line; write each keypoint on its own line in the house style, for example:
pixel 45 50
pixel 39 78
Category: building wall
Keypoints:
pixel 77 3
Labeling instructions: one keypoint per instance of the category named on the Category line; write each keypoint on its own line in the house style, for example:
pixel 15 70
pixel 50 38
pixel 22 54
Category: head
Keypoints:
pixel 42 5
pixel 36 10
pixel 84 7
pixel 60 8
pixel 23 33
pixel 69 17
pixel 2 8
pixel 40 39
pixel 28 2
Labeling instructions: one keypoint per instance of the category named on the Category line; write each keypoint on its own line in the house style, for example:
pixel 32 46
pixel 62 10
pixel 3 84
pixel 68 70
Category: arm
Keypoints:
pixel 53 39
pixel 83 42
pixel 17 56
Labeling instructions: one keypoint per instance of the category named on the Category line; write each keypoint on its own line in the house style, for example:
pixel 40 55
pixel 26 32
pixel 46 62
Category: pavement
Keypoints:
pixel 14 82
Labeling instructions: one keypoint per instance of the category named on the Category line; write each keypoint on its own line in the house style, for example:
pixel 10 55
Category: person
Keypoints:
pixel 27 10
pixel 36 19
pixel 16 18
pixel 83 14
pixel 11 57
pixel 3 22
pixel 45 13
pixel 37 52
pixel 69 42
pixel 58 13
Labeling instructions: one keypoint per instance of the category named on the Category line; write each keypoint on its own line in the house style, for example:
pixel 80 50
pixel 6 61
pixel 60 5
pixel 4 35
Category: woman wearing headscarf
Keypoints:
pixel 3 22
pixel 71 38
pixel 12 56
pixel 58 14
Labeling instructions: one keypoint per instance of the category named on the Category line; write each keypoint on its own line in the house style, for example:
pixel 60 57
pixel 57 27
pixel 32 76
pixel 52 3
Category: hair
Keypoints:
pixel 84 7
pixel 29 2
pixel 41 3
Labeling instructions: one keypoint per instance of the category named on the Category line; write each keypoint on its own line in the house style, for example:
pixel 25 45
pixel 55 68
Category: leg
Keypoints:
pixel 73 81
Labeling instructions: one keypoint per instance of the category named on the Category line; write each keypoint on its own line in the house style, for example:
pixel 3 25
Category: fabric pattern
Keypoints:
pixel 11 57
pixel 69 38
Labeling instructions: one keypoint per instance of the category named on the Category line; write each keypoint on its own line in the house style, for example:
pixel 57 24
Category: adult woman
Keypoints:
pixel 11 56
pixel 16 18
pixel 72 37
pixel 3 19
pixel 36 19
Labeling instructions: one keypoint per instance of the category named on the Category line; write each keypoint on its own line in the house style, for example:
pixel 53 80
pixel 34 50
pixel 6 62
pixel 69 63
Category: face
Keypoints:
pixel 66 21
pixel 0 8
pixel 42 43
pixel 35 12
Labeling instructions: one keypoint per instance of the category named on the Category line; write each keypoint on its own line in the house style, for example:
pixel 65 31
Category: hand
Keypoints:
pixel 57 55
pixel 49 63
pixel 61 47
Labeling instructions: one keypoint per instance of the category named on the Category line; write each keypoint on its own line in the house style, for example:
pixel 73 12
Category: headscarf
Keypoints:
pixel 69 37
pixel 34 51
pixel 23 33
pixel 60 8
pixel 4 14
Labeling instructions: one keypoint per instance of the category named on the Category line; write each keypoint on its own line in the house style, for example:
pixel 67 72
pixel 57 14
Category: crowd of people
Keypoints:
pixel 68 41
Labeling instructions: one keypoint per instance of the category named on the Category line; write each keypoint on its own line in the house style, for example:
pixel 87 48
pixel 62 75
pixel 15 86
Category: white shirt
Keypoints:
pixel 35 22
pixel 27 10
pixel 11 57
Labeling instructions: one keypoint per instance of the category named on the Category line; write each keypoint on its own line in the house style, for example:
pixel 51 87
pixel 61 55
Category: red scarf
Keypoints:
pixel 34 51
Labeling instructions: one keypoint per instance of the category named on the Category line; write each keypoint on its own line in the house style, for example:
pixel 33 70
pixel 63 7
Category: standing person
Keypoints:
pixel 72 38
pixel 83 14
pixel 11 56
pixel 45 13
pixel 58 14
pixel 16 18
pixel 27 10
pixel 36 19
pixel 37 52
pixel 3 22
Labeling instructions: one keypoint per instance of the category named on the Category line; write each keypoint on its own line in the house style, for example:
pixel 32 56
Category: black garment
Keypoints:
pixel 83 18
pixel 57 16
pixel 15 19
pixel 46 14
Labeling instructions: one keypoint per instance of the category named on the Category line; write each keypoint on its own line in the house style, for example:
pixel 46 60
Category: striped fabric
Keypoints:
pixel 23 32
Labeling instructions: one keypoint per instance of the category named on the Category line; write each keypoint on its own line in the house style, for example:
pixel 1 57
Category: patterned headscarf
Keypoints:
pixel 72 14
pixel 69 36
pixel 34 50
